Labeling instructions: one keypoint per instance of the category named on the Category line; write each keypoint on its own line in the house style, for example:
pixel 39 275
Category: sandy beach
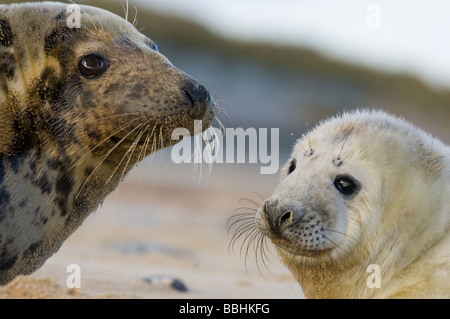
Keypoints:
pixel 164 224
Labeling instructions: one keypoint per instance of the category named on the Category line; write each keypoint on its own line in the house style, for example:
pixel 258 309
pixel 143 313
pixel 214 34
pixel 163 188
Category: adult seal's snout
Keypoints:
pixel 197 97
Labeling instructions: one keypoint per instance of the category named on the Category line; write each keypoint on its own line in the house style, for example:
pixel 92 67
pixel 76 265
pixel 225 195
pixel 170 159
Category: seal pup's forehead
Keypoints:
pixel 358 123
pixel 372 134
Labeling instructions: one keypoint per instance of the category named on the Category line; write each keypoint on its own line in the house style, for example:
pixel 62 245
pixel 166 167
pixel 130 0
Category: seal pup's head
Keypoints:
pixel 84 97
pixel 364 188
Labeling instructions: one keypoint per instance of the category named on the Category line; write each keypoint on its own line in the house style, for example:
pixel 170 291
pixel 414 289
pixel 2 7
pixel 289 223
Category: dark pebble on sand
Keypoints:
pixel 167 281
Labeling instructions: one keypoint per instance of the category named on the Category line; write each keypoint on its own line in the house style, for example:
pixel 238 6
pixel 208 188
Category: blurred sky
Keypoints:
pixel 395 35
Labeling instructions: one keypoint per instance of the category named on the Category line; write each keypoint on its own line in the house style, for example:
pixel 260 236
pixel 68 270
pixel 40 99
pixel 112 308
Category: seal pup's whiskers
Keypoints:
pixel 299 142
pixel 245 231
pixel 338 160
pixel 342 233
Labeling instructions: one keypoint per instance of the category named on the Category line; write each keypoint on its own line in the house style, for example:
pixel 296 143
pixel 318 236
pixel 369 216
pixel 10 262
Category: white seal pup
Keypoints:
pixel 79 107
pixel 363 210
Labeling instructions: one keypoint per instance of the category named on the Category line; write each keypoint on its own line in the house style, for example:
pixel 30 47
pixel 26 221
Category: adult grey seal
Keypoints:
pixel 79 107
pixel 363 210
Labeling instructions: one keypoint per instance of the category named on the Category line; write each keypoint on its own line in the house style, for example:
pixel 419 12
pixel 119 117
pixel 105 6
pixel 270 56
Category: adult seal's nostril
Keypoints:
pixel 198 97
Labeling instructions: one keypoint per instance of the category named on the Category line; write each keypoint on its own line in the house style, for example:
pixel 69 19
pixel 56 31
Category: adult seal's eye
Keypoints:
pixel 154 47
pixel 347 185
pixel 292 166
pixel 92 65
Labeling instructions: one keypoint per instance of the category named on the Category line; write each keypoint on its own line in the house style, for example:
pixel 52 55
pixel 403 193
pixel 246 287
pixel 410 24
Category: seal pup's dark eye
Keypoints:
pixel 92 65
pixel 292 166
pixel 347 185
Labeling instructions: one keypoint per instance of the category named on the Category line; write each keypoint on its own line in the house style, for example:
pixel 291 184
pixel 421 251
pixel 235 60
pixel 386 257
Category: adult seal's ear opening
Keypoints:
pixel 366 214
pixel 79 107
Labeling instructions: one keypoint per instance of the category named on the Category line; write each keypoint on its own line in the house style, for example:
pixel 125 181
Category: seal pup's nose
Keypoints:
pixel 198 97
pixel 278 216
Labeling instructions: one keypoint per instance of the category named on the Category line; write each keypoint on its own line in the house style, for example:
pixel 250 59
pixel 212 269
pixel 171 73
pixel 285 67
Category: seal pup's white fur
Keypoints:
pixel 364 188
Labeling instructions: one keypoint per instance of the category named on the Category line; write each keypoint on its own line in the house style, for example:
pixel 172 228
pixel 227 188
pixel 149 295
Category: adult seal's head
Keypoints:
pixel 363 210
pixel 83 97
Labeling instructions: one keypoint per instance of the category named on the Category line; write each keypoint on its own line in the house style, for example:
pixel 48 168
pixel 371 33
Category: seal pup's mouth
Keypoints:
pixel 297 235
pixel 292 230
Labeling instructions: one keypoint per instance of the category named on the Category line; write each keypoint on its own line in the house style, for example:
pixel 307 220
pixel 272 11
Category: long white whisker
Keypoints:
pixel 135 17
pixel 120 163
pixel 134 145
pixel 126 14
pixel 106 139
pixel 104 157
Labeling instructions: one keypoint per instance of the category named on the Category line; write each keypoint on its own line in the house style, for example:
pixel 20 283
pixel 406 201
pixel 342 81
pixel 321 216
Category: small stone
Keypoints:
pixel 167 281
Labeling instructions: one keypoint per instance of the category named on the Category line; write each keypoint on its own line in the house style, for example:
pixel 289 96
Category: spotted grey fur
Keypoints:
pixel 66 141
